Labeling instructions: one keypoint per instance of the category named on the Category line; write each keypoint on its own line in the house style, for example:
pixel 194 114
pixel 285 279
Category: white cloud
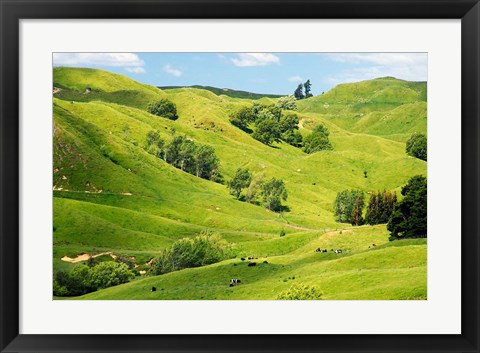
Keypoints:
pixel 172 71
pixel 129 61
pixel 295 79
pixel 255 59
pixel 136 70
pixel 405 66
pixel 222 57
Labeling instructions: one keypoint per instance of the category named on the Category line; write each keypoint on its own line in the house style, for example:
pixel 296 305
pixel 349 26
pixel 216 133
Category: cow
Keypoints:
pixel 252 264
pixel 243 259
pixel 374 244
pixel 324 250
pixel 265 262
pixel 338 251
pixel 154 289
pixel 235 281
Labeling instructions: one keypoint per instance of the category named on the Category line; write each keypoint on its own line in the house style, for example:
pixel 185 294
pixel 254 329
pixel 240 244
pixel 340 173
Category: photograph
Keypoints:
pixel 239 176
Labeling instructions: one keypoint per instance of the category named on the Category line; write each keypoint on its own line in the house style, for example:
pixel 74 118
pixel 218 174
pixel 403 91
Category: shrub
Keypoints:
pixel 108 274
pixel 416 146
pixel 287 103
pixel 164 108
pixel 83 279
pixel 204 249
pixel 317 140
pixel 300 292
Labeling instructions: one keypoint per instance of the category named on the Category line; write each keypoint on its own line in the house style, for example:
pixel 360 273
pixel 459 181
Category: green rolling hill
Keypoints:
pixel 110 195
pixel 226 92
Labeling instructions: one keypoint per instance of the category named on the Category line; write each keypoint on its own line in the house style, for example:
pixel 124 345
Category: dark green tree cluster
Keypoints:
pixel 317 140
pixel 268 124
pixel 186 155
pixel 272 192
pixel 409 217
pixel 299 91
pixel 84 279
pixel 203 249
pixel 348 207
pixel 416 146
pixel 164 108
pixel 380 207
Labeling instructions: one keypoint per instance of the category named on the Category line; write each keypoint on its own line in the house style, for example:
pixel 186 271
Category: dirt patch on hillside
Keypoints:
pixel 85 257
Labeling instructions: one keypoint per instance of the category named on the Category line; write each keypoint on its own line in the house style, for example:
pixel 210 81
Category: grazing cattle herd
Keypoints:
pixel 235 281
pixel 337 251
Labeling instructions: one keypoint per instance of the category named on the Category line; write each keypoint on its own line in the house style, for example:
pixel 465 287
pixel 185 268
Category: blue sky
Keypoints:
pixel 276 73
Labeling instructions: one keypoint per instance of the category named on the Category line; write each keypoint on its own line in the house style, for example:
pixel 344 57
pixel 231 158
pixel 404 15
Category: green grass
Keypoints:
pixel 383 107
pixel 110 195
pixel 389 272
pixel 227 92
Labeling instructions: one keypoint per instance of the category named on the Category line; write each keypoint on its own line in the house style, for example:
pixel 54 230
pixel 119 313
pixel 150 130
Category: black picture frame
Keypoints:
pixel 12 11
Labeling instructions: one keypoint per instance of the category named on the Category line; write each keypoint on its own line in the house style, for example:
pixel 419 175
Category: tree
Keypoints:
pixel 254 188
pixel 409 217
pixel 293 138
pixel 172 151
pixel 287 103
pixel 152 137
pixel 380 207
pixel 155 144
pixel 267 129
pixel 83 279
pixel 288 122
pixel 317 140
pixel 298 94
pixel 207 163
pixel 348 206
pixel 269 111
pixel 243 117
pixel 308 87
pixel 163 107
pixel 240 181
pixel 109 273
pixel 273 192
pixel 416 146
pixel 203 249
pixel 186 156
pixel 356 218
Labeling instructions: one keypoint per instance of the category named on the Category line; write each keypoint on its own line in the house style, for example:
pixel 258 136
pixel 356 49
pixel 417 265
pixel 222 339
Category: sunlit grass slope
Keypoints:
pixel 384 107
pixel 388 271
pixel 110 195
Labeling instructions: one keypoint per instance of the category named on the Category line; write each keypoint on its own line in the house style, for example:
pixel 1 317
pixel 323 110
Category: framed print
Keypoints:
pixel 232 176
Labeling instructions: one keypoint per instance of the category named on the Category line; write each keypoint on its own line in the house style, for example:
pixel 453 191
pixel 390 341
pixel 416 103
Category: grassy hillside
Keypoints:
pixel 110 195
pixel 390 270
pixel 385 107
pixel 227 92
